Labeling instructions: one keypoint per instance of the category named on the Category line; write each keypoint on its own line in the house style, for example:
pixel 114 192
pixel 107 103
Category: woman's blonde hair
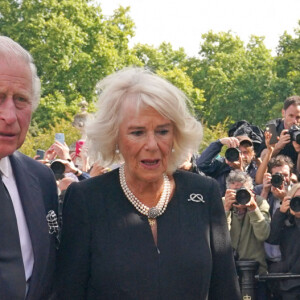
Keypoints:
pixel 145 89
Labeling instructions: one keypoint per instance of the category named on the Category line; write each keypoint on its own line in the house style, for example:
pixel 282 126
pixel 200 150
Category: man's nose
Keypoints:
pixel 8 111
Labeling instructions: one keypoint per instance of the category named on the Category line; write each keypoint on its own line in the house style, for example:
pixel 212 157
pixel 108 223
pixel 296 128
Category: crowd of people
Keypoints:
pixel 136 212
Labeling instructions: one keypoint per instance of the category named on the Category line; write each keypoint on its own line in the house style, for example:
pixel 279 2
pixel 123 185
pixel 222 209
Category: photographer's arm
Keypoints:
pixel 260 220
pixel 277 225
pixel 262 169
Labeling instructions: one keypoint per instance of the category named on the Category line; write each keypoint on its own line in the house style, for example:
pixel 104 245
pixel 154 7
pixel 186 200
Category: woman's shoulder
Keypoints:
pixel 101 182
pixel 194 179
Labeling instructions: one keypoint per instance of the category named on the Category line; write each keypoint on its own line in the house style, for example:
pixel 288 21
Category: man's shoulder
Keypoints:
pixel 19 159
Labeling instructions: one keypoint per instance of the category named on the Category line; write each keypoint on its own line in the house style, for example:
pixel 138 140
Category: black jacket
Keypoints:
pixel 107 248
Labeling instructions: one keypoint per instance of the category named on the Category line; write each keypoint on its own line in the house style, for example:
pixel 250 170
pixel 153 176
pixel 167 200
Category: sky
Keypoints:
pixel 182 22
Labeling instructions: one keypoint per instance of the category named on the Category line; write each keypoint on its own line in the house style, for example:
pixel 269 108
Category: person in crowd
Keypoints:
pixel 219 167
pixel 276 184
pixel 28 193
pixel 248 220
pixel 285 227
pixel 145 230
pixel 290 117
pixel 190 164
pixel 58 158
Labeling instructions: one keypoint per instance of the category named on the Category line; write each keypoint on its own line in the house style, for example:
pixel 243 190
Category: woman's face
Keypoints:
pixel 145 141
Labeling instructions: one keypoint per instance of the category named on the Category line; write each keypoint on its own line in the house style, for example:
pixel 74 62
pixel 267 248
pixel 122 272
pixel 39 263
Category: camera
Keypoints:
pixel 232 154
pixel 295 204
pixel 277 180
pixel 243 196
pixel 58 168
pixel 295 133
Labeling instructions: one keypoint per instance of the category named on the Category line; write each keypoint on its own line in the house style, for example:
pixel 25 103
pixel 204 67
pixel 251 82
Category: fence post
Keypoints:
pixel 246 271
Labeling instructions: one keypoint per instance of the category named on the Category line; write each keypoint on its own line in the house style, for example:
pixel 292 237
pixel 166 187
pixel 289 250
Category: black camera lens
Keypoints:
pixel 232 154
pixel 243 196
pixel 295 134
pixel 58 169
pixel 277 180
pixel 295 204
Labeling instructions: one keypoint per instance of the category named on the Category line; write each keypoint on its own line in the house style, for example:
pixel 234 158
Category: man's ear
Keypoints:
pixel 283 113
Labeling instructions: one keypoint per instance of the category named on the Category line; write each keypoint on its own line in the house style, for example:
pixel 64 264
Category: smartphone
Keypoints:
pixel 60 137
pixel 272 129
pixel 40 153
pixel 78 147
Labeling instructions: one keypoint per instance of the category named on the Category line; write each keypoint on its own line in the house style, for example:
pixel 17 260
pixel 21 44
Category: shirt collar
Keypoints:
pixel 5 166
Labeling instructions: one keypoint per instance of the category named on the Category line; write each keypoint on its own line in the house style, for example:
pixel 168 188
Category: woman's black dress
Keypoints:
pixel 107 249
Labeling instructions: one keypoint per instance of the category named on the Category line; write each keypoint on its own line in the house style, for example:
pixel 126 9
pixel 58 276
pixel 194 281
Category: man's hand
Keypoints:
pixel 62 150
pixel 284 139
pixel 230 142
pixel 279 193
pixel 229 199
pixel 285 205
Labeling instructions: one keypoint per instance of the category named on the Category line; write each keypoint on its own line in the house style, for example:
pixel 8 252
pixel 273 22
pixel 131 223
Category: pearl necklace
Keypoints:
pixel 153 212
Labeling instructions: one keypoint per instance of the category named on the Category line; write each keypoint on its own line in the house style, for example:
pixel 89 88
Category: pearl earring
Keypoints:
pixel 117 150
pixel 173 150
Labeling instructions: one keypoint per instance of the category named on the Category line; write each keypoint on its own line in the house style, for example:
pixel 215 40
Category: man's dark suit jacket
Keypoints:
pixel 38 193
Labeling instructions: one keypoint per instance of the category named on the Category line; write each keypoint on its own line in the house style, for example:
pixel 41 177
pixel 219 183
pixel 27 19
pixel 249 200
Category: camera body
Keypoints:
pixel 295 204
pixel 277 180
pixel 232 154
pixel 243 196
pixel 294 132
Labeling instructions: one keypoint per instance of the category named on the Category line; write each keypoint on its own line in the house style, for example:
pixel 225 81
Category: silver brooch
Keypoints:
pixel 196 198
pixel 52 222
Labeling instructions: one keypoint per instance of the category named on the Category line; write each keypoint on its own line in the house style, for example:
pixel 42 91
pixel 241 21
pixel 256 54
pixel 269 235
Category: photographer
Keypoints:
pixel 276 183
pixel 248 218
pixel 290 117
pixel 248 221
pixel 285 228
pixel 240 156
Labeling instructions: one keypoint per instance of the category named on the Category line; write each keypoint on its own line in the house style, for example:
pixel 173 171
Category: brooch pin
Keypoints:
pixel 196 198
pixel 52 222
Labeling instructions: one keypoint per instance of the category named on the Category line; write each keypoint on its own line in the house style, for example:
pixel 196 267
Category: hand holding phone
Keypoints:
pixel 40 153
pixel 272 129
pixel 78 147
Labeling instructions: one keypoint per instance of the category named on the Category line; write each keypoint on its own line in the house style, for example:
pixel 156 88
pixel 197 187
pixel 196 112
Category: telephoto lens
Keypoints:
pixel 277 180
pixel 232 154
pixel 58 169
pixel 295 133
pixel 243 196
pixel 295 204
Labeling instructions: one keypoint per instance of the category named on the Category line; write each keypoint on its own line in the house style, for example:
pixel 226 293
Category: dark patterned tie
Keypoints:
pixel 12 273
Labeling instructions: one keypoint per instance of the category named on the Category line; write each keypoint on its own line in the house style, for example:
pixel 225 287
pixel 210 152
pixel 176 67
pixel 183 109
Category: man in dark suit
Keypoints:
pixel 28 192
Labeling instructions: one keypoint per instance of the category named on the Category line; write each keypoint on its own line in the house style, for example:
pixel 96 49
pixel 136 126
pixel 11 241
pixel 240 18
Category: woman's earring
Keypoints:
pixel 173 150
pixel 117 150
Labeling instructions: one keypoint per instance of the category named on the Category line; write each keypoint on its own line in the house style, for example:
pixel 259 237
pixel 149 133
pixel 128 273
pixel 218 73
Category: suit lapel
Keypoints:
pixel 34 210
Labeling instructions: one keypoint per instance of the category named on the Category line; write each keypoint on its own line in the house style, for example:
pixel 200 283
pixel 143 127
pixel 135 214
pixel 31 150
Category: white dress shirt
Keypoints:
pixel 25 241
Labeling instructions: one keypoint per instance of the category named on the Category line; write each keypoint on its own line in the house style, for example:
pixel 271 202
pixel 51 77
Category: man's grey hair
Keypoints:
pixel 239 176
pixel 12 50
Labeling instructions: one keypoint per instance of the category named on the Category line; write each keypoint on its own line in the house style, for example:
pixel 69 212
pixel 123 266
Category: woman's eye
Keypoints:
pixel 137 132
pixel 163 132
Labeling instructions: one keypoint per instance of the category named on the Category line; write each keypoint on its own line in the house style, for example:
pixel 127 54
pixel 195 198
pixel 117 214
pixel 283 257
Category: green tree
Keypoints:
pixel 73 45
pixel 237 80
pixel 288 61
